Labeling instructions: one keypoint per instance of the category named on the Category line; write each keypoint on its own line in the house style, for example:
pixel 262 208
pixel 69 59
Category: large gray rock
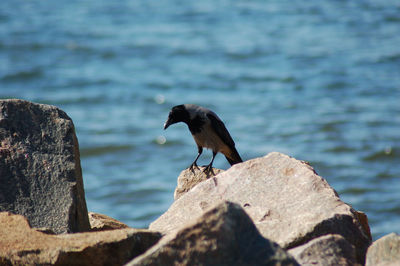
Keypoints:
pixel 384 251
pixel 22 245
pixel 40 169
pixel 330 250
pixel 287 201
pixel 190 178
pixel 224 235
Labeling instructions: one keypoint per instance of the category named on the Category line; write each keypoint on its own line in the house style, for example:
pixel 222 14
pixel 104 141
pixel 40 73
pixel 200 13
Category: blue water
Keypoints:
pixel 317 80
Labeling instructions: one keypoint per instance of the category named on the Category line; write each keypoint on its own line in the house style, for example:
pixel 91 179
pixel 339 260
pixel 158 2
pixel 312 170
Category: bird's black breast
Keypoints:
pixel 196 125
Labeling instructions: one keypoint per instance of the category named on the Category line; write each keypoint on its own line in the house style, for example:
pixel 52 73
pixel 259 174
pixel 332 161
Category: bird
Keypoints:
pixel 208 131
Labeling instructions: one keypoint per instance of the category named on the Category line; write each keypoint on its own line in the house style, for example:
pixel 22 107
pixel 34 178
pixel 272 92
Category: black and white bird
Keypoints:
pixel 208 131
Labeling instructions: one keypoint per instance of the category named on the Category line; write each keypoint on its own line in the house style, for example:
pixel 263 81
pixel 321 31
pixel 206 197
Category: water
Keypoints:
pixel 319 81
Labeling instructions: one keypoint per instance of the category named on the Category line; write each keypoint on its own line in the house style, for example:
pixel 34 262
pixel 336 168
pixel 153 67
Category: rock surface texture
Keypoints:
pixel 384 251
pixel 224 235
pixel 40 171
pixel 22 245
pixel 188 179
pixel 101 222
pixel 330 250
pixel 287 201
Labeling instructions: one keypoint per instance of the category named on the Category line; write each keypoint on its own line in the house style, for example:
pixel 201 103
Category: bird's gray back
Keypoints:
pixel 210 118
pixel 195 110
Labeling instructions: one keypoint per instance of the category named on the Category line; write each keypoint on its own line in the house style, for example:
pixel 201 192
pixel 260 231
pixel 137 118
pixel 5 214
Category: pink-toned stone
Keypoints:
pixel 329 250
pixel 101 222
pixel 190 178
pixel 286 199
pixel 385 251
pixel 223 235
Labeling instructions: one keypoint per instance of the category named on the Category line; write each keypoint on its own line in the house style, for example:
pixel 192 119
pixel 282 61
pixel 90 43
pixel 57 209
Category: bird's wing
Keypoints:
pixel 221 130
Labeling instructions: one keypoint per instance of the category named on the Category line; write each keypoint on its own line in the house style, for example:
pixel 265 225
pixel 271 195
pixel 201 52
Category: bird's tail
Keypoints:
pixel 234 157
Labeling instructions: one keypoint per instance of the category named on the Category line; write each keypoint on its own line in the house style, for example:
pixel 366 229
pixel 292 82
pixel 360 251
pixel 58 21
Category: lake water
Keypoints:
pixel 317 80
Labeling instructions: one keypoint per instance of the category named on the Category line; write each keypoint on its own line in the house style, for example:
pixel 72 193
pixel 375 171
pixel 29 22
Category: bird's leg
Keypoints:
pixel 209 168
pixel 194 164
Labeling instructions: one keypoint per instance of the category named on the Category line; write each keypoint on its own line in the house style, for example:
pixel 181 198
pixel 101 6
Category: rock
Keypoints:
pixel 188 179
pixel 40 167
pixel 101 222
pixel 325 251
pixel 363 219
pixel 287 201
pixel 224 235
pixel 22 245
pixel 384 251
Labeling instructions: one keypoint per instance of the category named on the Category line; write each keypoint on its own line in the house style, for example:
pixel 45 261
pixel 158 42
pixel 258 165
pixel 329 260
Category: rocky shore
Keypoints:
pixel 272 210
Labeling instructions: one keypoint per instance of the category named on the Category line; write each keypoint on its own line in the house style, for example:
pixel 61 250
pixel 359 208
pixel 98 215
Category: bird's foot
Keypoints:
pixel 192 166
pixel 209 170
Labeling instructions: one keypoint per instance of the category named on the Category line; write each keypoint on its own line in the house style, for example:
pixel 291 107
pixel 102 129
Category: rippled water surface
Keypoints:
pixel 317 80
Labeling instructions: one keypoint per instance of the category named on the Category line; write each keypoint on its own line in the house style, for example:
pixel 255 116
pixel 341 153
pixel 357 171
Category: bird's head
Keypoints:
pixel 177 114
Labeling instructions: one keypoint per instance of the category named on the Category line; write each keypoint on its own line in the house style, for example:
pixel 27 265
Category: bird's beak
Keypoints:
pixel 167 124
